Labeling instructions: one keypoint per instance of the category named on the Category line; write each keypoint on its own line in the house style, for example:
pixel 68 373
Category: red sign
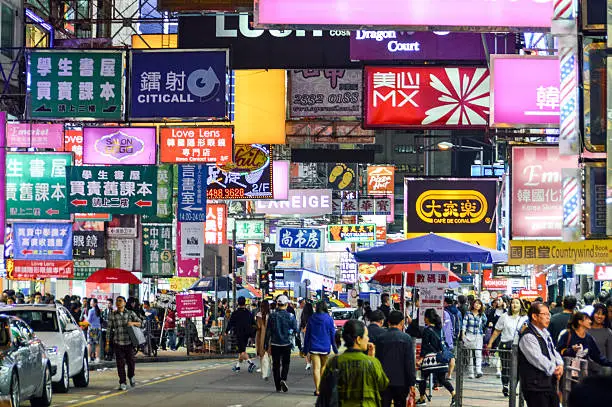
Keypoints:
pixel 73 142
pixel 381 233
pixel 215 231
pixel 603 273
pixel 493 284
pixel 181 145
pixel 39 269
pixel 189 306
pixel 381 180
pixel 426 97
pixel 537 201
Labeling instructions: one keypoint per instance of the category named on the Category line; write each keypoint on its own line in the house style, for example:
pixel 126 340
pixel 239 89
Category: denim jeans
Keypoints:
pixel 172 339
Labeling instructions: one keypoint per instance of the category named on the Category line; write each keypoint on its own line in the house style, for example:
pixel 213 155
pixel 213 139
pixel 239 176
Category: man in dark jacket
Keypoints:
pixel 278 341
pixel 375 329
pixel 242 323
pixel 559 321
pixel 385 306
pixel 395 351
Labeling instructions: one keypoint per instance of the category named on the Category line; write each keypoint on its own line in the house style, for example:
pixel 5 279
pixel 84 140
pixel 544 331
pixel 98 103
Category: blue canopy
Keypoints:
pixel 208 284
pixel 429 249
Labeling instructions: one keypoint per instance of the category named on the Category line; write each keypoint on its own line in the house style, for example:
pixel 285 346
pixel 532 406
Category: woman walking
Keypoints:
pixel 319 339
pixel 474 324
pixel 602 336
pixel 498 308
pixel 306 314
pixel 94 316
pixel 576 341
pixel 261 319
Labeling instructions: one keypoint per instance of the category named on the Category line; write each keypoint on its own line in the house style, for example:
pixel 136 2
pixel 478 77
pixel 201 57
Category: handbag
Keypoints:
pixel 444 356
pixel 266 366
pixel 430 364
pixel 411 400
pixel 136 335
pixel 328 389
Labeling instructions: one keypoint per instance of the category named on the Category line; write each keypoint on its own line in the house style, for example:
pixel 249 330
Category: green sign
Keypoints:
pixel 250 229
pixel 36 186
pixel 351 233
pixel 119 189
pixel 164 195
pixel 157 254
pixel 86 267
pixel 75 84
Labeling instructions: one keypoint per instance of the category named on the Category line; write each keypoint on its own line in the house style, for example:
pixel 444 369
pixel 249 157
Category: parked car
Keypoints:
pixel 341 315
pixel 64 340
pixel 25 368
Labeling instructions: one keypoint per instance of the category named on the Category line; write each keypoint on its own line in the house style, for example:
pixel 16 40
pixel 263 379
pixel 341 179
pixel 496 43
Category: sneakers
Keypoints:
pixel 453 402
pixel 478 375
pixel 421 401
pixel 252 367
pixel 471 376
pixel 284 387
pixel 308 366
pixel 499 374
pixel 122 387
pixel 132 381
pixel 236 369
pixel 506 391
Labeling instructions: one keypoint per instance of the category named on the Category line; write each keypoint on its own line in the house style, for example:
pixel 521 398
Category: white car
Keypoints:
pixel 64 341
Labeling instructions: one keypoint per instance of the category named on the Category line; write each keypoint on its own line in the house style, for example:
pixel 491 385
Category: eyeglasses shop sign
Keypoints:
pixel 304 202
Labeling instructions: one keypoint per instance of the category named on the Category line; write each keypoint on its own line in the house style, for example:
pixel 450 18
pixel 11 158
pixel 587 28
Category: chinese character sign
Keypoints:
pixel 192 192
pixel 165 180
pixel 39 269
pixel 186 84
pixel 73 142
pixel 189 306
pixel 42 241
pixel 119 145
pixel 250 229
pixel 121 253
pixel 431 285
pixel 364 205
pixel 537 202
pixel 351 233
pixel 300 239
pixel 76 84
pixel 215 231
pixel 37 135
pixel 87 244
pixel 158 256
pixel 381 180
pixel 349 269
pixel 183 145
pixel 36 186
pixel 546 252
pixel 113 189
pixel 426 97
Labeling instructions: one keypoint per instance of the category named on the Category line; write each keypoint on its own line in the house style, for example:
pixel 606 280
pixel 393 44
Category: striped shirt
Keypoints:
pixel 474 324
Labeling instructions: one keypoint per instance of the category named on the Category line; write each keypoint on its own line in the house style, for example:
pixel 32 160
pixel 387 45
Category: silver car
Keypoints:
pixel 25 369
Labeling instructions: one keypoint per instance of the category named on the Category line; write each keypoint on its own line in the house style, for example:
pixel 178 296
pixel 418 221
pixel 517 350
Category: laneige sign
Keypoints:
pixel 303 202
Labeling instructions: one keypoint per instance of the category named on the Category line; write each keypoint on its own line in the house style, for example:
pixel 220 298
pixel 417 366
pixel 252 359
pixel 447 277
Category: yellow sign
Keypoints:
pixel 154 41
pixel 461 206
pixel 557 252
pixel 181 283
pixel 488 240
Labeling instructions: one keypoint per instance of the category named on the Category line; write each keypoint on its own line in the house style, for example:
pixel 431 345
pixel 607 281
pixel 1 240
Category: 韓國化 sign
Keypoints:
pixel 113 189
pixel 303 202
pixel 184 145
pixel 119 145
pixel 39 269
pixel 185 84
pixel 36 135
pixel 36 186
pixel 192 193
pixel 87 244
pixel 42 241
pixel 300 239
pixel 215 231
pixel 557 252
pixel 157 253
pixel 351 233
pixel 250 229
pixel 75 84
pixel 381 180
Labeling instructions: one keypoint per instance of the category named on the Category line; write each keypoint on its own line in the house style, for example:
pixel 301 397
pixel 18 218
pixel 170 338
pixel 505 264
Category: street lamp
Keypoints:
pixel 447 145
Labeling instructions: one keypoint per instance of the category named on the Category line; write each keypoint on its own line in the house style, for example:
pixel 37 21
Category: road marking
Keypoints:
pixel 89 396
pixel 157 378
pixel 72 401
pixel 145 381
pixel 105 392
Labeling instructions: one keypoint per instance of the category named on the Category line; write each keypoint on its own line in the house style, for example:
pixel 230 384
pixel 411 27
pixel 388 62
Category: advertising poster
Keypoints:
pixel 431 286
pixel 557 252
pixel 87 244
pixel 192 180
pixel 215 231
pixel 426 97
pixel 325 93
pixel 158 257
pixel 189 306
pixel 192 240
pixel 536 200
pixel 361 233
pixel 349 269
pixel 73 143
pixel 320 132
pixel 38 269
pixel 121 253
pixel 184 145
pixel 185 266
pixel 119 145
pixel 303 202
pixel 83 268
pixel 186 84
pixel 250 229
pixel 248 177
pixel 3 211
pixel 35 135
pixel 300 240
pixel 165 181
pixel 342 177
pixel 42 241
pixel 36 186
pixel 122 226
pixel 381 180
pixel 75 84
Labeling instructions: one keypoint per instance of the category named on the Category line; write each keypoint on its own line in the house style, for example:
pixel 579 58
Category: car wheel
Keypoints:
pixel 64 384
pixel 82 379
pixel 47 392
pixel 15 390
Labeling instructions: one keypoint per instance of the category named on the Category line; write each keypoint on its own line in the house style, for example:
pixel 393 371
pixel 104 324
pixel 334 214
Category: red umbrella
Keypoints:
pixel 392 273
pixel 113 276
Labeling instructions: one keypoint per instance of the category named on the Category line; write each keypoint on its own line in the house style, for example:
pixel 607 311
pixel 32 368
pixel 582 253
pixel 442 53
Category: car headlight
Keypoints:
pixel 52 350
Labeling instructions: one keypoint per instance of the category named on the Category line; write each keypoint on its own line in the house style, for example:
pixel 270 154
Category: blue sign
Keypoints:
pixel 300 239
pixel 185 84
pixel 42 241
pixel 192 193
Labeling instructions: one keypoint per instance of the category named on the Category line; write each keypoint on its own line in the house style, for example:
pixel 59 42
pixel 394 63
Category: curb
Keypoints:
pixel 162 359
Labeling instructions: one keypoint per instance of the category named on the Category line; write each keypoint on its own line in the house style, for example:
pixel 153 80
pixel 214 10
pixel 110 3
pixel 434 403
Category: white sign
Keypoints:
pixel 121 253
pixel 349 270
pixel 303 202
pixel 192 239
pixel 431 285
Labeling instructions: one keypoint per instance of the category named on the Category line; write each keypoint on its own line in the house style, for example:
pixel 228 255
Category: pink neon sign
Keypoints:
pixel 432 13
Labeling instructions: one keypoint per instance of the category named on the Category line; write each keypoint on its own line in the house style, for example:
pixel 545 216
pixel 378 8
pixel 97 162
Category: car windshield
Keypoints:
pixel 39 321
pixel 342 315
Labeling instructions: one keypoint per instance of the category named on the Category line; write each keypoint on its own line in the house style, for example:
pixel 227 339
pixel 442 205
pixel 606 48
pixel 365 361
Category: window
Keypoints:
pixel 39 321
pixel 7 30
pixel 404 149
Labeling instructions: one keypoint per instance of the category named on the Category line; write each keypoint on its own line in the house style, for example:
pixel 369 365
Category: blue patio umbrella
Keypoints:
pixel 243 292
pixel 224 283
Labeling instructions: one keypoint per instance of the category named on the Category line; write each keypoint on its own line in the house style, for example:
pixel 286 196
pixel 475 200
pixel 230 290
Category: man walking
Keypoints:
pixel 395 351
pixel 118 323
pixel 281 327
pixel 539 364
pixel 242 322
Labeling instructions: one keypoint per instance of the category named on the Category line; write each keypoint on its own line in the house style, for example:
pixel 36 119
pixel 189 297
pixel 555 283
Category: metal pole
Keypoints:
pixel 234 265
pixel 513 374
pixel 215 310
pixel 187 335
pixel 459 374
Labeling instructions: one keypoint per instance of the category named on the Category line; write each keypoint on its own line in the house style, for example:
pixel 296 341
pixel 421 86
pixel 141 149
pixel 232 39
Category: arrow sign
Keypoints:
pixel 26 252
pixel 191 208
pixel 52 212
pixel 142 203
pixel 42 241
pixel 57 252
pixel 79 202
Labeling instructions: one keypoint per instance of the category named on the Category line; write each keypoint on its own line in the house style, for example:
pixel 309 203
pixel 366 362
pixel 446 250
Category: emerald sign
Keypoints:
pixel 157 254
pixel 36 186
pixel 164 196
pixel 119 189
pixel 75 84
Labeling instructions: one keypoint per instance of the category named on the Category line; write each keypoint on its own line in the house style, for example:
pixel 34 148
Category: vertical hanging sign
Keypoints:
pixel 192 181
pixel 572 204
pixel 157 251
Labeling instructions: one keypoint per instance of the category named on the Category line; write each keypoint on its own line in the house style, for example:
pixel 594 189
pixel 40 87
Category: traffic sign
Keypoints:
pixel 267 249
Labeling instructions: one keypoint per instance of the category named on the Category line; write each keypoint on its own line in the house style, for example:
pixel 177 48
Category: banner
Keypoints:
pixel 75 84
pixel 196 145
pixel 361 233
pixel 157 255
pixel 83 268
pixel 87 244
pixel 303 202
pixel 35 135
pixel 113 189
pixel 349 269
pixel 536 200
pixel 192 193
pixel 493 284
pixel 250 229
pixel 525 91
pixel 36 186
pixel 248 177
pixel 122 226
pixel 426 97
pixel 215 231
pixel 324 132
pixel 381 180
pixel 189 306
pixel 325 93
pixel 192 240
pixel 119 145
pixel 364 205
pixel 185 267
pixel 38 269
pixel 557 252
pixel 280 175
pixel 449 205
pixel 603 273
pixel 3 211
pixel 595 202
pixel 73 143
pixel 300 240
pixel 431 285
pixel 181 283
pixel 342 176
pixel 183 84
pixel 165 181
pixel 120 253
pixel 42 241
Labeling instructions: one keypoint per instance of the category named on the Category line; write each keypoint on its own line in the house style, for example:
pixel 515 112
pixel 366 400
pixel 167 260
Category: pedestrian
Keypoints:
pixel 474 324
pixel 307 313
pixel 588 299
pixel 577 342
pixel 493 314
pixel 118 326
pixel 94 333
pixel 76 311
pixel 508 328
pixel 558 307
pixel 602 336
pixel 319 339
pixel 261 319
pixel 385 306
pixel 559 321
pixel 361 378
pixel 432 344
pixel 359 312
pixel 241 323
pixel 281 327
pixel 395 351
pixel 170 329
pixel 375 329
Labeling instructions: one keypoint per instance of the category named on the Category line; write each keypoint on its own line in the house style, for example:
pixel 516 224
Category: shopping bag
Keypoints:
pixel 411 400
pixel 136 335
pixel 266 366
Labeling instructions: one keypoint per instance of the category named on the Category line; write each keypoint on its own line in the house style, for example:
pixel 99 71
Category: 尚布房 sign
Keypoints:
pixel 157 253
pixel 185 145
pixel 35 135
pixel 36 186
pixel 42 241
pixel 113 189
pixel 351 233
pixel 558 252
pixel 87 244
pixel 250 229
pixel 300 239
pixel 119 145
pixel 303 202
pixel 39 269
pixel 192 193
pixel 75 84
